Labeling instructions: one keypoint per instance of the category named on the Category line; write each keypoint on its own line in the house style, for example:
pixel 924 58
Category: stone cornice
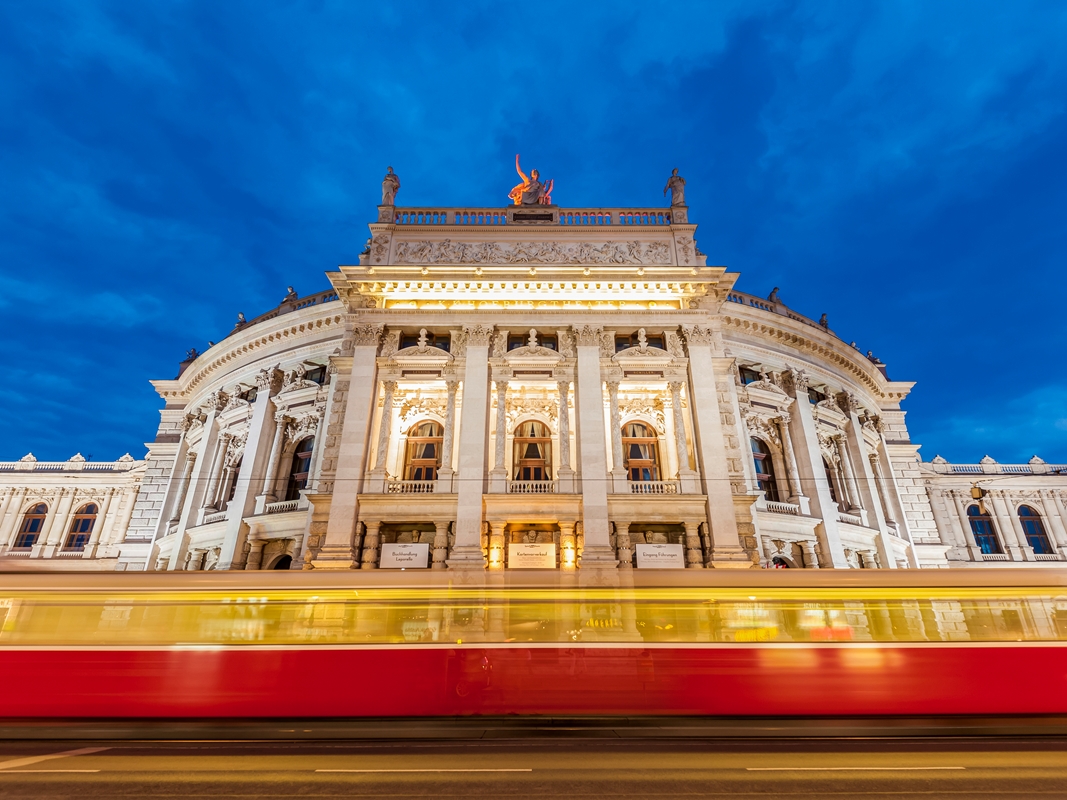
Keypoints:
pixel 293 327
pixel 822 346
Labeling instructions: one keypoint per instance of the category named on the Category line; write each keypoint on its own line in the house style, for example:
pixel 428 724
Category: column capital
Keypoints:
pixel 588 335
pixel 269 380
pixel 478 335
pixel 366 335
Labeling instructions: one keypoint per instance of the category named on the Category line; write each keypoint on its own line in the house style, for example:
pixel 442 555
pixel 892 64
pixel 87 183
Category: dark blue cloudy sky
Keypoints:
pixel 901 166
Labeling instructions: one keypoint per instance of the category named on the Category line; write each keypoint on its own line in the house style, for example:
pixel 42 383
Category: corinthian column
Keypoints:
pixel 675 388
pixel 792 473
pixel 274 463
pixel 499 476
pixel 210 505
pixel 385 427
pixel 564 388
pixel 187 474
pixel 850 476
pixel 445 473
pixel 617 463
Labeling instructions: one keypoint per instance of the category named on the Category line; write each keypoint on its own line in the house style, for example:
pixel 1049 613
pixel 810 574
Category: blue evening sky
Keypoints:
pixel 901 166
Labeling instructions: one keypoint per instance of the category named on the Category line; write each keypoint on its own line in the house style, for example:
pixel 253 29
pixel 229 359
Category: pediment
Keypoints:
pixel 766 393
pixel 542 355
pixel 643 355
pixel 422 354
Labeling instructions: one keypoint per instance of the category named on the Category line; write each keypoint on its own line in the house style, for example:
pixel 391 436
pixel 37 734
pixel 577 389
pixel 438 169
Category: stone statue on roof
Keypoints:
pixel 390 186
pixel 676 186
pixel 531 191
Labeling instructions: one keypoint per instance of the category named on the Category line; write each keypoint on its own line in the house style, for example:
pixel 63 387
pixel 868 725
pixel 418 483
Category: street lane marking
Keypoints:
pixel 839 769
pixel 23 762
pixel 424 770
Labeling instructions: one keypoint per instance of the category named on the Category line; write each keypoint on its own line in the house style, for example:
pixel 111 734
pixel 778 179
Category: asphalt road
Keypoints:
pixel 557 766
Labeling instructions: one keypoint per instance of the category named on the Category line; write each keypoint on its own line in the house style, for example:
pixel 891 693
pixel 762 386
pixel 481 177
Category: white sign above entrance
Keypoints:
pixel 660 556
pixel 532 556
pixel 405 556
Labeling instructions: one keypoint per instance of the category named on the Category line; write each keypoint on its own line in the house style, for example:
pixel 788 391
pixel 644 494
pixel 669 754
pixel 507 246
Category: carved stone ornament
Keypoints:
pixel 588 335
pixel 698 335
pixel 415 404
pixel 647 406
pixel 294 380
pixel 827 447
pixel 565 342
pixel 674 344
pixel 236 448
pixel 794 381
pixel 236 401
pixel 305 424
pixel 530 350
pixel 761 426
pixel 423 349
pixel 686 249
pixel 189 422
pixel 641 350
pixel 526 403
pixel 446 251
pixel 848 403
pixel 766 384
pixel 478 335
pixel 268 379
pixel 379 248
pixel 391 343
pixel 216 401
pixel 367 335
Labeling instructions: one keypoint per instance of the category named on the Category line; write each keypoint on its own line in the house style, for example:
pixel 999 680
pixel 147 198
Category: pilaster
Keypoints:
pixel 592 450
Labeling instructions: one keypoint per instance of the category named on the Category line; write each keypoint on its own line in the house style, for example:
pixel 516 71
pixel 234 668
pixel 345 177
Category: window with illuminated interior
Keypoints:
pixel 32 522
pixel 640 447
pixel 761 457
pixel 1035 531
pixel 298 473
pixel 985 535
pixel 423 457
pixel 533 452
pixel 81 528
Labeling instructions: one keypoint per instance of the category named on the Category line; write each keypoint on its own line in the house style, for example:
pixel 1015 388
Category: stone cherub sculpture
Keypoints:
pixel 531 191
pixel 676 186
pixel 390 186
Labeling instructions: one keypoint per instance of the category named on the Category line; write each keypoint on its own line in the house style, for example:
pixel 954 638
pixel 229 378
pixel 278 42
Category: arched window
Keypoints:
pixel 424 451
pixel 1035 531
pixel 31 526
pixel 985 535
pixel 640 452
pixel 761 455
pixel 298 473
pixel 81 528
pixel 533 452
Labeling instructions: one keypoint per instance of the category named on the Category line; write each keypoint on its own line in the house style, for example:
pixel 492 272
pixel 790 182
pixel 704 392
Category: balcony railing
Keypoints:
pixel 532 487
pixel 850 519
pixel 218 516
pixel 783 508
pixel 994 557
pixel 1047 557
pixel 280 507
pixel 655 487
pixel 567 216
pixel 409 487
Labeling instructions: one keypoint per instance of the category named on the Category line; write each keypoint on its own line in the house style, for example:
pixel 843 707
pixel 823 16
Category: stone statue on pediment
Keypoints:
pixel 390 186
pixel 531 191
pixel 676 186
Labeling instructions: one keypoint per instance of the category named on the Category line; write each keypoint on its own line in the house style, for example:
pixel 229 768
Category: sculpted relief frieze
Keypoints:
pixel 449 252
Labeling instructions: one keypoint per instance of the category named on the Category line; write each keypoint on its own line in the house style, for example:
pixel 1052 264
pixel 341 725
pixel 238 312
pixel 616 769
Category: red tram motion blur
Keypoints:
pixel 742 644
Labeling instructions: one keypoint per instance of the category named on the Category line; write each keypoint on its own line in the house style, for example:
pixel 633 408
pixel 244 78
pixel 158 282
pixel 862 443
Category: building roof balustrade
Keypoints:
pixel 567 216
pixel 31 465
pixel 990 467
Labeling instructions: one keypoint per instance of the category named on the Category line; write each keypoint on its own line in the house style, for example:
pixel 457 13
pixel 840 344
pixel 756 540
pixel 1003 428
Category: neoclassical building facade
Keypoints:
pixel 530 388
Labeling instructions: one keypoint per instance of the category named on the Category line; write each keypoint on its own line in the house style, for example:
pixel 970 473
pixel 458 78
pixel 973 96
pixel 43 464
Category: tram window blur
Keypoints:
pixel 765 478
pixel 32 523
pixel 1035 531
pixel 985 535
